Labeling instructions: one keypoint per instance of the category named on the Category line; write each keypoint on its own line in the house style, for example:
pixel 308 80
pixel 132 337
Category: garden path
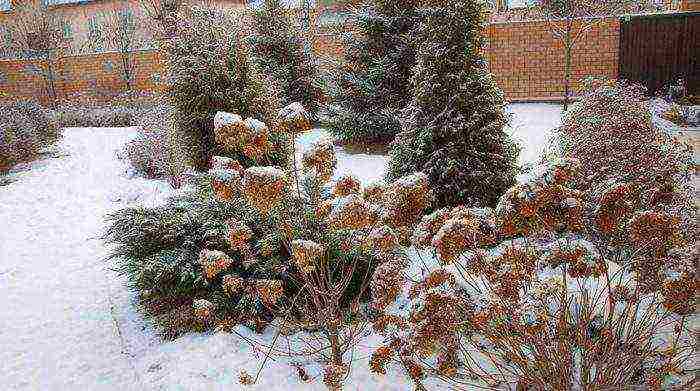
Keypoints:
pixel 61 305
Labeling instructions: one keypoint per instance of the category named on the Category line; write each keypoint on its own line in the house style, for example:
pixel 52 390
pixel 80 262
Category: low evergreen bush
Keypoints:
pixel 242 246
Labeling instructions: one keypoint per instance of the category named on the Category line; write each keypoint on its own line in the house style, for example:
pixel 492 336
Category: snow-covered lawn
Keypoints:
pixel 59 300
pixel 68 323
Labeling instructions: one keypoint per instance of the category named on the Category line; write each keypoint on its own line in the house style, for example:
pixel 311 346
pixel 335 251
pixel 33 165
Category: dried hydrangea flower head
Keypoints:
pixel 226 183
pixel 232 284
pixel 294 118
pixel 321 158
pixel 387 282
pixel 351 212
pixel 264 187
pixel 374 192
pixel 257 144
pixel 230 131
pixel 226 163
pixel 213 262
pixel 269 291
pixel 406 199
pixel 238 234
pixel 384 240
pixel 203 309
pixel 346 185
pixel 306 254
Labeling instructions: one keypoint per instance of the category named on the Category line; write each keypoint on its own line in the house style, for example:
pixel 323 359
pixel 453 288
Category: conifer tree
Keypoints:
pixel 284 52
pixel 371 85
pixel 453 128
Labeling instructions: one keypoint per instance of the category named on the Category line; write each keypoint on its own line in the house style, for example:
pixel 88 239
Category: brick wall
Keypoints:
pixel 528 62
pixel 96 74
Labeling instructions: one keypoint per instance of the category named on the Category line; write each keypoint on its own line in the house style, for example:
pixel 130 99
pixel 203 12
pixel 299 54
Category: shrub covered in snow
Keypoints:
pixel 532 293
pixel 369 88
pixel 157 151
pixel 281 50
pixel 25 128
pixel 626 161
pixel 250 240
pixel 209 69
pixel 454 127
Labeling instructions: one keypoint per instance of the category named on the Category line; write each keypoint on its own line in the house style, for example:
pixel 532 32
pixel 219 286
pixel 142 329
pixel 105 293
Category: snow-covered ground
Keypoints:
pixel 68 323
pixel 61 305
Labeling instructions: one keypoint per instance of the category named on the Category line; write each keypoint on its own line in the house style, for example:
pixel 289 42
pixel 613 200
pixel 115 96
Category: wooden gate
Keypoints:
pixel 656 50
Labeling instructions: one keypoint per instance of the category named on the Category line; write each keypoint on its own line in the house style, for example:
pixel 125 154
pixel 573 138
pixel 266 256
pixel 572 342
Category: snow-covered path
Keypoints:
pixel 61 305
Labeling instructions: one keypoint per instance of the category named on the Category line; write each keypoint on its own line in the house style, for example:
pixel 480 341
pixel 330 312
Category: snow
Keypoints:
pixel 63 309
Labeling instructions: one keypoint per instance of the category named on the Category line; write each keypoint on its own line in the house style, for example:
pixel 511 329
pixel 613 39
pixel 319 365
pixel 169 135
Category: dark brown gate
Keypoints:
pixel 656 50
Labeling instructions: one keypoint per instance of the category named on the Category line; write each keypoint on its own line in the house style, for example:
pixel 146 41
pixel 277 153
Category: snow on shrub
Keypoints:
pixel 533 293
pixel 25 128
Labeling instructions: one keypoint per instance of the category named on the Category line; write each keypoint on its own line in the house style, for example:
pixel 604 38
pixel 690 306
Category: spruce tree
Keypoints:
pixel 453 128
pixel 371 85
pixel 282 51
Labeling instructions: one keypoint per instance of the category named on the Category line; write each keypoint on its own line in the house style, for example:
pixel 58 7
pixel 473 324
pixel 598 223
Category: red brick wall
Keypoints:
pixel 525 59
pixel 528 62
pixel 99 74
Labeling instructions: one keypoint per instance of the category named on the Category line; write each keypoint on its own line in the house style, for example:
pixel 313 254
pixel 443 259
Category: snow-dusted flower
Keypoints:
pixel 306 253
pixel 257 144
pixel 226 183
pixel 264 187
pixel 351 212
pixel 383 239
pixel 387 283
pixel 294 118
pixel 225 163
pixel 214 262
pixel 238 234
pixel 406 199
pixel 269 291
pixel 230 131
pixel 321 158
pixel 346 185
pixel 374 192
pixel 203 309
pixel 232 284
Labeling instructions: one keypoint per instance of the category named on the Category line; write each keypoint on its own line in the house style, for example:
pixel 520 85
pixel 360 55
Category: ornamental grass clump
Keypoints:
pixel 532 294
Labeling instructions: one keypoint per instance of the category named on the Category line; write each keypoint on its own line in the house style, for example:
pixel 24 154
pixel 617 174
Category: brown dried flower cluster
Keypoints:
pixel 269 291
pixel 321 159
pixel 306 254
pixel 249 137
pixel 238 234
pixel 203 309
pixel 264 187
pixel 232 284
pixel 294 118
pixel 346 185
pixel 226 183
pixel 214 262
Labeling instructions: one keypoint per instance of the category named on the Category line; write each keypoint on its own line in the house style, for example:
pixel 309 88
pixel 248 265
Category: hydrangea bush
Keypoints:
pixel 249 244
pixel 534 292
